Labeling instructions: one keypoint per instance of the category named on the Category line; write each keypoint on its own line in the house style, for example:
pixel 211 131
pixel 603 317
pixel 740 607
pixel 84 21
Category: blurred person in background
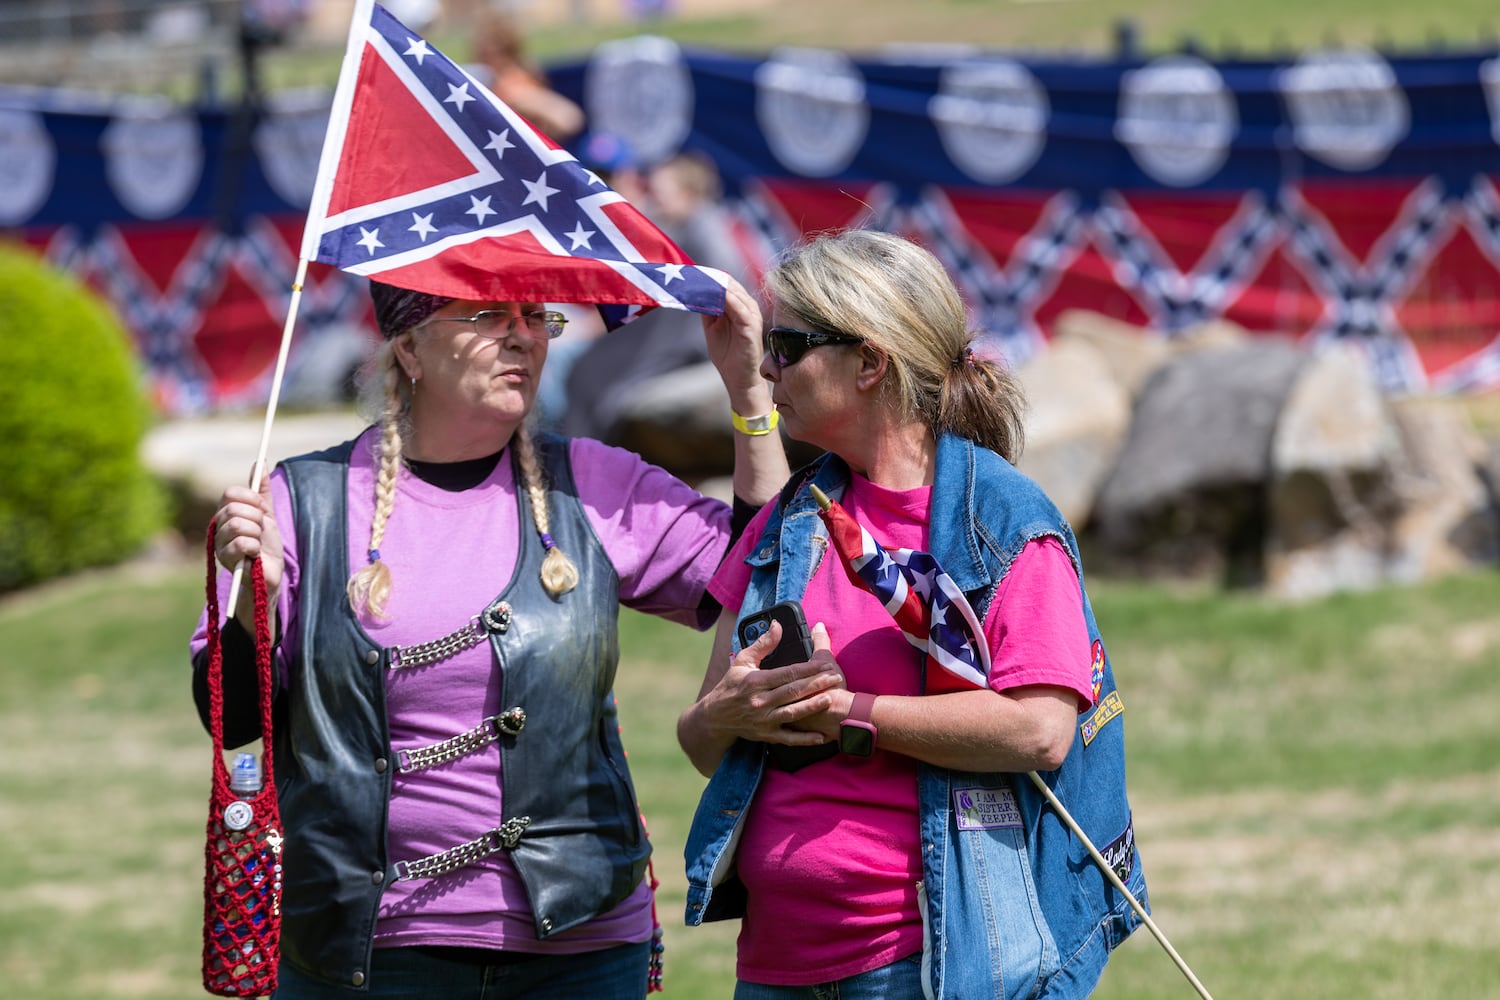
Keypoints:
pixel 682 196
pixel 609 157
pixel 502 64
pixel 445 592
pixel 915 861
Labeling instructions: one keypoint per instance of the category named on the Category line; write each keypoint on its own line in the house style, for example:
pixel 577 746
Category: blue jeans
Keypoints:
pixel 901 980
pixel 617 973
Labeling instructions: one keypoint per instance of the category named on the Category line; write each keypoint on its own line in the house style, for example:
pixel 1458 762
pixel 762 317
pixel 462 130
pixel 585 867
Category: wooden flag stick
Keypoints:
pixel 1114 879
pixel 259 468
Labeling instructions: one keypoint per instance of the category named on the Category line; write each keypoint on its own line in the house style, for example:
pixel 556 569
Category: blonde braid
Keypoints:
pixel 559 575
pixel 370 588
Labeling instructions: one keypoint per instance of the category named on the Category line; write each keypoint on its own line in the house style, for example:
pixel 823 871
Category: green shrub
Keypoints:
pixel 74 492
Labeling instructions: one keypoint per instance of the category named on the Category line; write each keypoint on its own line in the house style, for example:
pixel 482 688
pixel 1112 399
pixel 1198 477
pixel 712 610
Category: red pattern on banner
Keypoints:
pixel 1184 223
pixel 1277 299
pixel 1090 284
pixel 813 207
pixel 1455 305
pixel 1361 212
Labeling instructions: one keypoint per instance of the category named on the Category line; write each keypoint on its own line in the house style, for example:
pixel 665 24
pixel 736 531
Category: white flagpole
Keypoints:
pixel 258 470
pixel 317 211
pixel 1109 873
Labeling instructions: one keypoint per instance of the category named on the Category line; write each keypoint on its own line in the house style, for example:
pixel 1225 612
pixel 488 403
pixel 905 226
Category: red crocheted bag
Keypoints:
pixel 242 857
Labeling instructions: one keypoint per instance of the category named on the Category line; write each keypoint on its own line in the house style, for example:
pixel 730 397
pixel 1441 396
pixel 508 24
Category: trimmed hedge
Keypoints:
pixel 74 492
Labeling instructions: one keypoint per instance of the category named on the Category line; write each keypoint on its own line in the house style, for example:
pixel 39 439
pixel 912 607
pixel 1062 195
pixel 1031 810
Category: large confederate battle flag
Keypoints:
pixel 430 182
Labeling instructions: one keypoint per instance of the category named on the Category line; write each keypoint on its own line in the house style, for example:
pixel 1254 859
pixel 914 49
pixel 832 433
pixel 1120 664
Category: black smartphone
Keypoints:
pixel 795 647
pixel 796 641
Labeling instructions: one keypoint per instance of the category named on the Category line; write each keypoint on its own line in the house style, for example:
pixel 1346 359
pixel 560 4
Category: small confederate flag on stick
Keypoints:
pixel 930 609
pixel 430 182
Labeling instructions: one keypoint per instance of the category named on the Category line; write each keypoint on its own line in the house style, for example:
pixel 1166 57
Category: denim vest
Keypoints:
pixel 1013 905
pixel 584 850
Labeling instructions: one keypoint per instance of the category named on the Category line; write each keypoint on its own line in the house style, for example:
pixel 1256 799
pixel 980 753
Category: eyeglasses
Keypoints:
pixel 786 345
pixel 494 324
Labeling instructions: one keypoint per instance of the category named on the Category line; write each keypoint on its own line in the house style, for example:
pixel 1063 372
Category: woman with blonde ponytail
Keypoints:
pixel 446 590
pixel 896 856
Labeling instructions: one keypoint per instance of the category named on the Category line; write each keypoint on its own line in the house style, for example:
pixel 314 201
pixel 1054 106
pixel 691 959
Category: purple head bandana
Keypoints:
pixel 398 309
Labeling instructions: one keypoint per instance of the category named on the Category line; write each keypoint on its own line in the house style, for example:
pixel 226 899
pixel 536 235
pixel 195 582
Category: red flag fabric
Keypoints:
pixel 430 182
pixel 930 609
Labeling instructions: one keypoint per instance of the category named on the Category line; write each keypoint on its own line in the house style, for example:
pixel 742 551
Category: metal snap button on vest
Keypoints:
pixel 377 877
pixel 380 765
pixel 497 617
pixel 372 657
pixel 546 924
pixel 358 979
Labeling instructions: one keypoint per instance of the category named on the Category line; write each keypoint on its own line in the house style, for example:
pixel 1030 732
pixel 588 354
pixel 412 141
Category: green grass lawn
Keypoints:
pixel 1317 790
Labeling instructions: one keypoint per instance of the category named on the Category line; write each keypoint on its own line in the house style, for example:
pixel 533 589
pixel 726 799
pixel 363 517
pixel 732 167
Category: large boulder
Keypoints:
pixel 680 421
pixel 1334 480
pixel 1077 416
pixel 1368 489
pixel 1130 353
pixel 1451 519
pixel 1187 494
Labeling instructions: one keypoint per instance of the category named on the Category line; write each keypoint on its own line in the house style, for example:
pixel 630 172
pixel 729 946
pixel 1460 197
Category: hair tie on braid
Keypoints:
pixel 374 555
pixel 547 542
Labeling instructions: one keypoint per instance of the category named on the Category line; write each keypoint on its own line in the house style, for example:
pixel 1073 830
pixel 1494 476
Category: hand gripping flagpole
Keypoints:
pixel 828 508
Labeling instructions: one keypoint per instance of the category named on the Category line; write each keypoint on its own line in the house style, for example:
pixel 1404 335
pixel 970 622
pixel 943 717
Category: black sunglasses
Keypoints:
pixel 786 345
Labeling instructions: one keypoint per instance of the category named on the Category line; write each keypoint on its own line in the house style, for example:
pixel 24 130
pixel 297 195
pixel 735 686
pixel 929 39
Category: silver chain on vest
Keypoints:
pixel 507 723
pixel 504 837
pixel 495 618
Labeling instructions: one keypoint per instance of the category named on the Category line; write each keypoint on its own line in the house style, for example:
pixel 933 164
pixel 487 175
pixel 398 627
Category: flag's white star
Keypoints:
pixel 422 225
pixel 370 239
pixel 580 237
pixel 459 96
pixel 500 142
pixel 418 50
pixel 922 584
pixel 479 208
pixel 671 273
pixel 594 178
pixel 537 191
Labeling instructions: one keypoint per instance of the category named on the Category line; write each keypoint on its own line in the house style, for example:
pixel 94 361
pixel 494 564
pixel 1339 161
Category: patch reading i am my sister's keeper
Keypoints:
pixel 985 808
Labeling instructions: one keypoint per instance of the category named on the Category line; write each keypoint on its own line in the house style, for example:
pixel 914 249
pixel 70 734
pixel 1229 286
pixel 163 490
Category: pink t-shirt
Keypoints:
pixel 831 853
pixel 451 554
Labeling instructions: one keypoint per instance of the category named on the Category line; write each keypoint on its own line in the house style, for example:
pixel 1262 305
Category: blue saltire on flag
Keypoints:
pixel 428 181
pixel 930 609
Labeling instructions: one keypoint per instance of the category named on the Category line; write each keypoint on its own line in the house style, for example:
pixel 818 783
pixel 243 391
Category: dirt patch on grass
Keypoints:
pixel 1339 872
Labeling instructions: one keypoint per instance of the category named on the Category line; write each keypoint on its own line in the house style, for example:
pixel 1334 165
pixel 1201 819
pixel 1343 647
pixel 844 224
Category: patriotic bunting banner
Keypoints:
pixel 1337 197
pixel 926 604
pixel 428 181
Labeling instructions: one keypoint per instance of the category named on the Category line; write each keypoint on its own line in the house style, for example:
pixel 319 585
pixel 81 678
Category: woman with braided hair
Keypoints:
pixel 897 855
pixel 445 592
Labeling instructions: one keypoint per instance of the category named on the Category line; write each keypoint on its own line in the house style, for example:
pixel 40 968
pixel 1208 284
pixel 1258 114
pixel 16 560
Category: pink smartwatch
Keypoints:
pixel 857 733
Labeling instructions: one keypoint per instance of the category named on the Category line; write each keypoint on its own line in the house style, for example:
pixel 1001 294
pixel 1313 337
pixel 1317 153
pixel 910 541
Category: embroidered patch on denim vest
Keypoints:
pixel 1110 707
pixel 1119 853
pixel 980 808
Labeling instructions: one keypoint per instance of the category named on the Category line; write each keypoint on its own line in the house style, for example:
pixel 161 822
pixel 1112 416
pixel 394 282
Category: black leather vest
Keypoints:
pixel 584 850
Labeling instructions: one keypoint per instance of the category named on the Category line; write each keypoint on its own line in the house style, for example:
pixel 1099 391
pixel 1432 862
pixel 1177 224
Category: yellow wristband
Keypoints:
pixel 755 426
